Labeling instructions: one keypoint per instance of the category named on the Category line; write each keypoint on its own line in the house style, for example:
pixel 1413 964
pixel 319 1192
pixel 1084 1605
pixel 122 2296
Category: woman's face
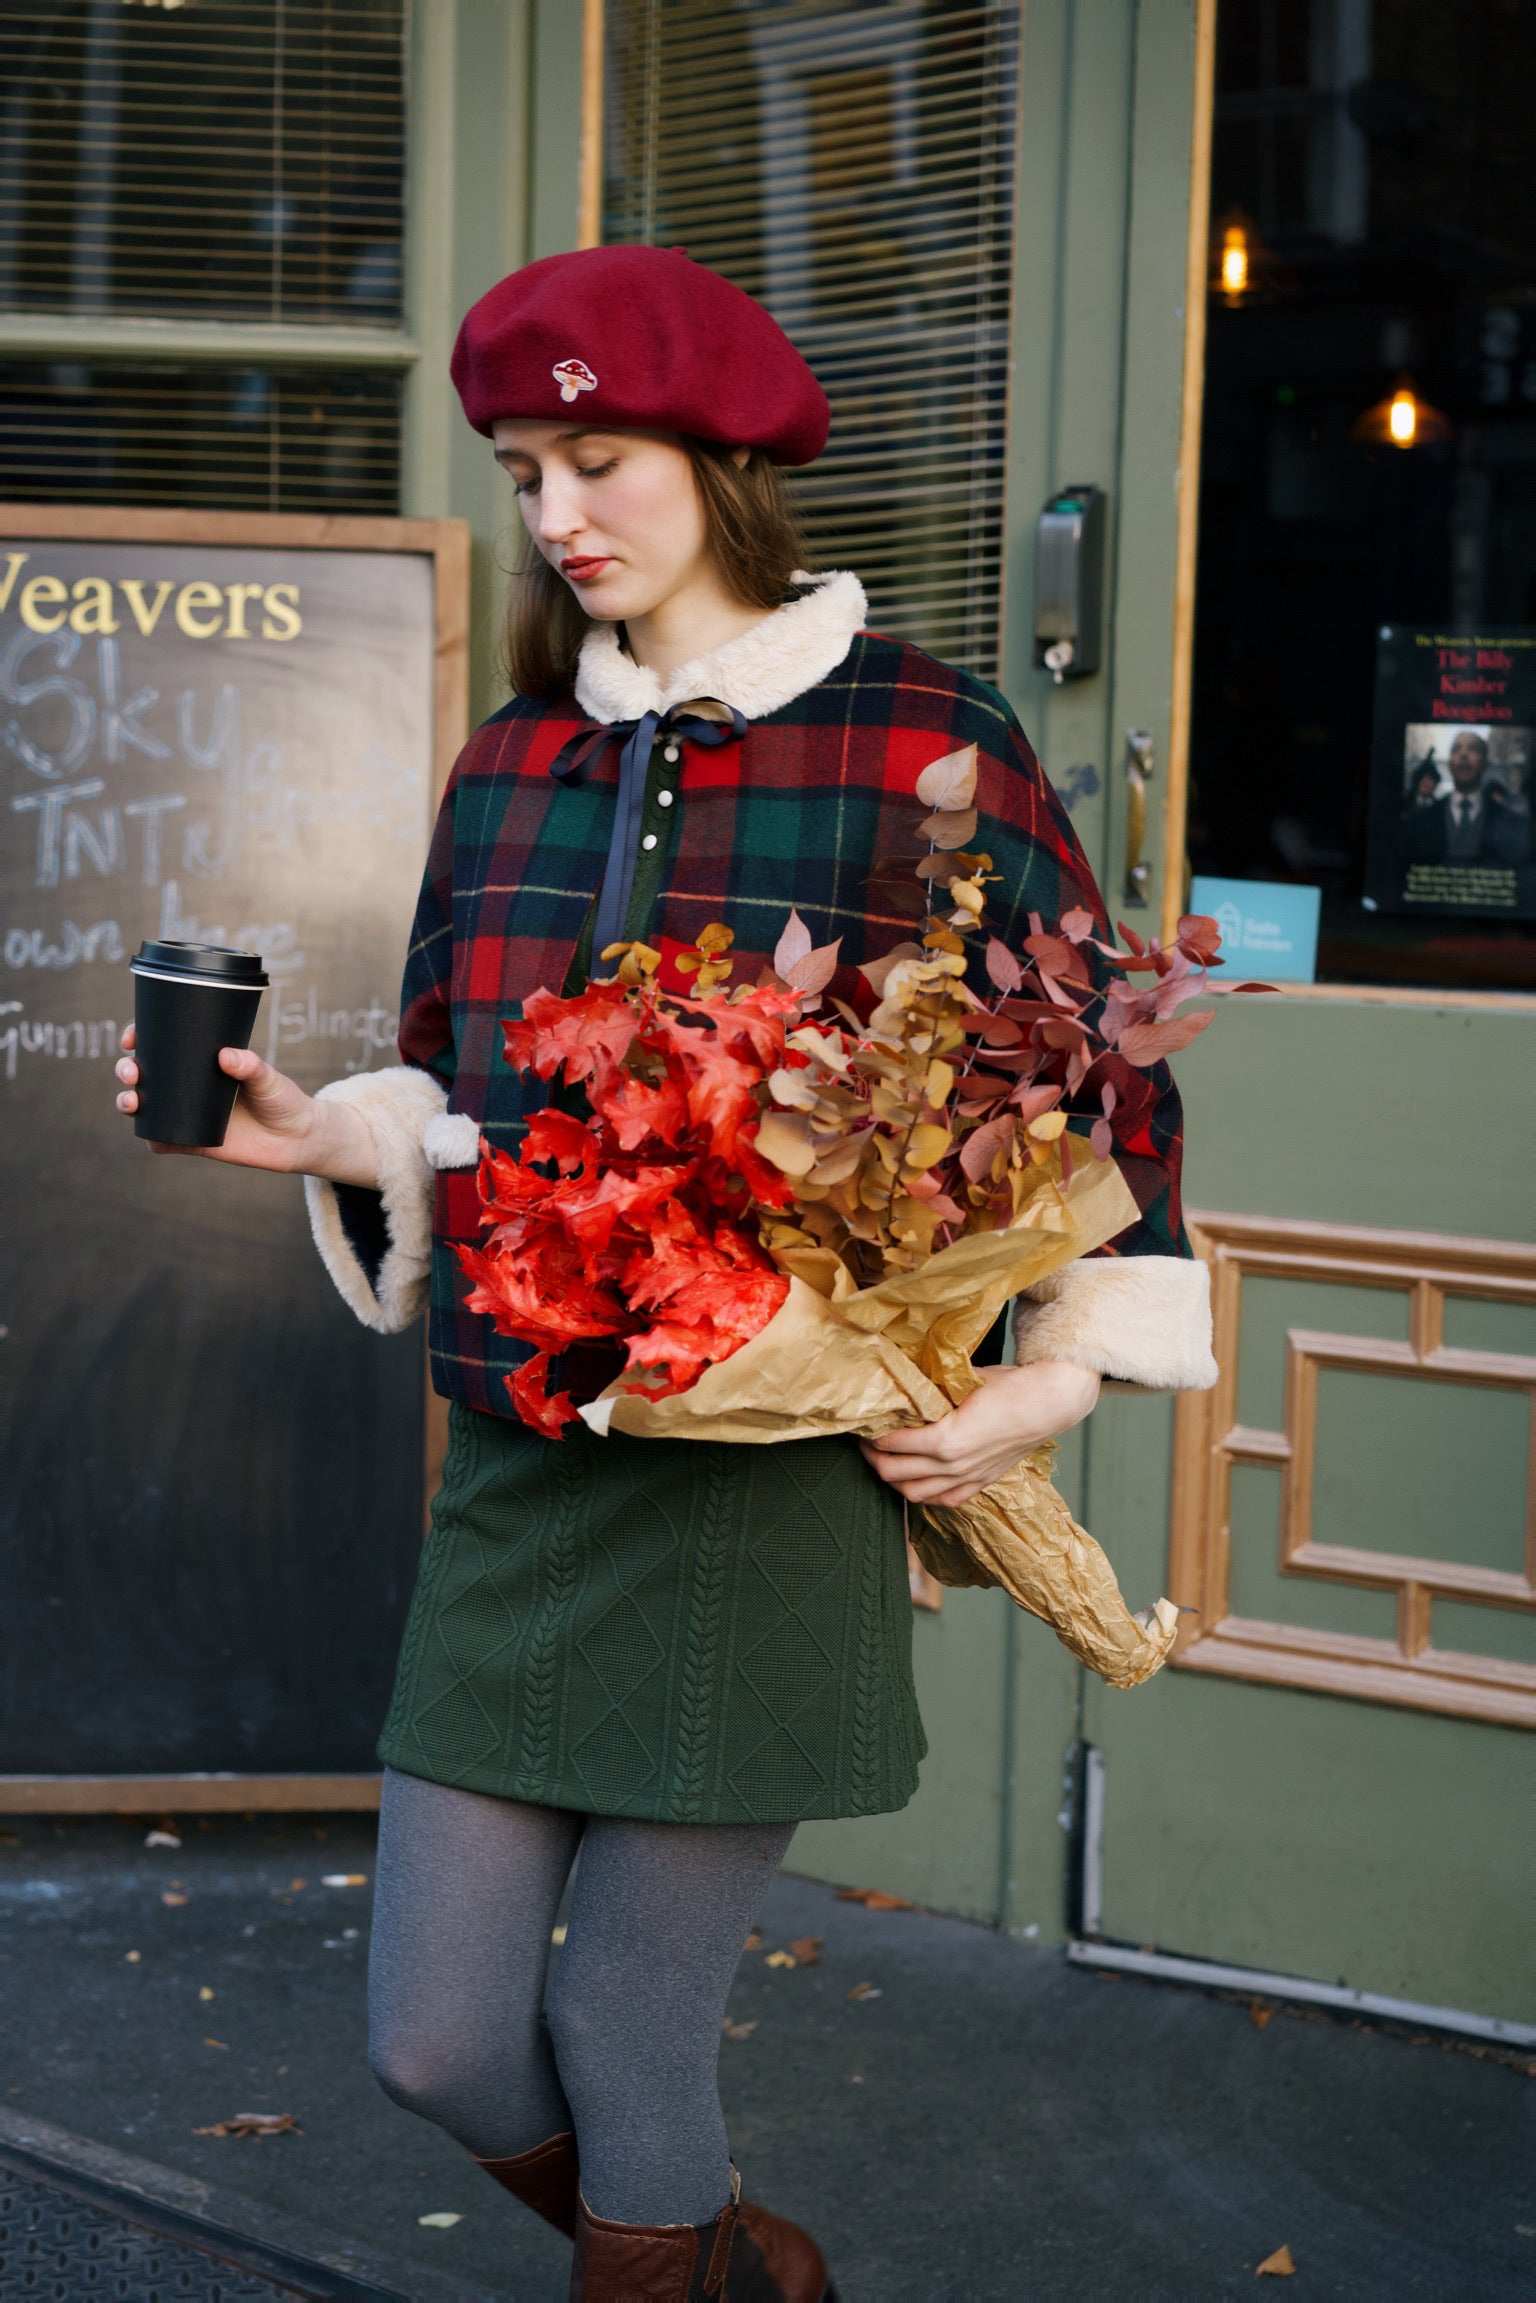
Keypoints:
pixel 618 513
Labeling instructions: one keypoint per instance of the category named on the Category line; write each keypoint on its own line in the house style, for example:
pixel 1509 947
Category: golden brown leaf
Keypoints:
pixel 925 1145
pixel 873 1899
pixel 1280 2265
pixel 807 1949
pixel 950 827
pixel 949 782
pixel 785 1138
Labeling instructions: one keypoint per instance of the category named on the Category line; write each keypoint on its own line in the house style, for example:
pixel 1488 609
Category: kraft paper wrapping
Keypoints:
pixel 836 1358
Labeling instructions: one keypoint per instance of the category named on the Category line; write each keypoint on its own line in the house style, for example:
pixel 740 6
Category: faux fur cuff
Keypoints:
pixel 399 1106
pixel 766 668
pixel 452 1140
pixel 1142 1318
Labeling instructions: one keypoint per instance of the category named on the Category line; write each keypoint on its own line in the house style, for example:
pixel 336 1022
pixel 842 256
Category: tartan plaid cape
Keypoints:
pixel 795 814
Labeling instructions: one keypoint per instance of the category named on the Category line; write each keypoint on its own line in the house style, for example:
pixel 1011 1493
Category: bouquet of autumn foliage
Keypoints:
pixel 797 1223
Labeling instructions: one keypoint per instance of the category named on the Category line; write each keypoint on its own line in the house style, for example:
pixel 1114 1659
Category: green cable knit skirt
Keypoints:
pixel 672 1630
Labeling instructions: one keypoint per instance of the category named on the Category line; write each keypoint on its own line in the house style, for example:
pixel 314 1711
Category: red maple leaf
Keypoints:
pixel 533 1403
pixel 555 1032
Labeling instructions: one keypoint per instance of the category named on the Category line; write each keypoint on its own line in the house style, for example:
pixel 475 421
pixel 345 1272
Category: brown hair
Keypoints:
pixel 749 526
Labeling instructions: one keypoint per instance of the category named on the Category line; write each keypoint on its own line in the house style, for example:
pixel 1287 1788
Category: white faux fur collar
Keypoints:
pixel 788 652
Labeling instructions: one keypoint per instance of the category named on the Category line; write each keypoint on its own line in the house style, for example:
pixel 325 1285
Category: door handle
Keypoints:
pixel 1138 772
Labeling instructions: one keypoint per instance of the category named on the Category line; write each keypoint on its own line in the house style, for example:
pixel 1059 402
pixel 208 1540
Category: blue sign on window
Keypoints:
pixel 1268 928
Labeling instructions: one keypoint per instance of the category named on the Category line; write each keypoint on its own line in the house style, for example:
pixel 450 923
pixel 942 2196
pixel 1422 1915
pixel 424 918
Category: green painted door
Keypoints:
pixel 1337 1781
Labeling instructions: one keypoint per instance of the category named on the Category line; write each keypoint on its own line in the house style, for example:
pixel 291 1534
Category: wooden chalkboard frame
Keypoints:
pixel 446 542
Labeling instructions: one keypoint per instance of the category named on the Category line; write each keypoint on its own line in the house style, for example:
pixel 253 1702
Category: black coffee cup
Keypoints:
pixel 190 1000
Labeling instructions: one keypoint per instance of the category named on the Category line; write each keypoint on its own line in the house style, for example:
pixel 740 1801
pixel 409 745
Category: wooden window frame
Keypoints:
pixel 1209 1441
pixel 1186 572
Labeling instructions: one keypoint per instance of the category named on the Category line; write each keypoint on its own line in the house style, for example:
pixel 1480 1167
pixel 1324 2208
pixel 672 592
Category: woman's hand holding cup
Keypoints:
pixel 274 1124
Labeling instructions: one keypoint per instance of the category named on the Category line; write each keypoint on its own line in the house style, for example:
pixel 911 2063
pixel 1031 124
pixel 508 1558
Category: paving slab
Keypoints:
pixel 958 2116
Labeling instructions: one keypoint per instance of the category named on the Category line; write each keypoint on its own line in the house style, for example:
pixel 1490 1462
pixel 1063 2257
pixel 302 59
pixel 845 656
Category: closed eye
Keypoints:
pixel 584 471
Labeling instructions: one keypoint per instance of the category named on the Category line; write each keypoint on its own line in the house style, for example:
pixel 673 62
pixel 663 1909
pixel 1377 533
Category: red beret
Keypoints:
pixel 638 336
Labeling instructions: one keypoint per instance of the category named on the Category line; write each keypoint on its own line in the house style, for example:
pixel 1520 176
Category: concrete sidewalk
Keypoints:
pixel 984 2123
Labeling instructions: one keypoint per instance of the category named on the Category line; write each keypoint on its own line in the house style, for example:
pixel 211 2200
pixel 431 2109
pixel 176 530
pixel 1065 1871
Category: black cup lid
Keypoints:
pixel 217 961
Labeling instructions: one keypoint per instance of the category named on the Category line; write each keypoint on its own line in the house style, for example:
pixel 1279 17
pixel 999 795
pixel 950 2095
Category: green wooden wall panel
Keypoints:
pixel 1416 1117
pixel 469 166
pixel 1271 1827
pixel 554 137
pixel 1351 1842
pixel 1148 478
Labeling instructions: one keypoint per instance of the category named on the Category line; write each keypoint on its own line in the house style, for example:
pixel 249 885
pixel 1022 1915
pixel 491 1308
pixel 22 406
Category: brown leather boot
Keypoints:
pixel 745 2255
pixel 544 2178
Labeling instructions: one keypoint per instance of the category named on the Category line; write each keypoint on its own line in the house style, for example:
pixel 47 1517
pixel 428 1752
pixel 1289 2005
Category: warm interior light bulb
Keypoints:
pixel 1403 418
pixel 1234 261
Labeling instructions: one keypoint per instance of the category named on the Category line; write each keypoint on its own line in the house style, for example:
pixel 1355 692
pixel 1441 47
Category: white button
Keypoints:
pixel 670 753
pixel 649 841
pixel 663 799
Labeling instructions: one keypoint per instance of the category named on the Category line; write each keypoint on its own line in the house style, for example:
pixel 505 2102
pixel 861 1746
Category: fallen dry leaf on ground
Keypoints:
pixel 557 1935
pixel 874 1899
pixel 171 1898
pixel 342 1879
pixel 254 2123
pixel 1280 2265
pixel 132 1957
pixel 206 1991
pixel 807 1949
pixel 161 1839
pixel 224 2043
pixel 294 1885
pixel 864 1991
pixel 1259 2015
pixel 781 1959
pixel 738 2030
pixel 441 2221
pixel 754 1942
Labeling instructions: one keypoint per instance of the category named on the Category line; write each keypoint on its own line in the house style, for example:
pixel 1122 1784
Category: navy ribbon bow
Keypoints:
pixel 689 722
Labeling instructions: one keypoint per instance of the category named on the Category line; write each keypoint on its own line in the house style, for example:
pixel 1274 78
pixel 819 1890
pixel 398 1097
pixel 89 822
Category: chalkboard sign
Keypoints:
pixel 228 729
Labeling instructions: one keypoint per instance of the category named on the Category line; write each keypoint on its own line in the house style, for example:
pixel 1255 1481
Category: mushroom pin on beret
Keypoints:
pixel 638 337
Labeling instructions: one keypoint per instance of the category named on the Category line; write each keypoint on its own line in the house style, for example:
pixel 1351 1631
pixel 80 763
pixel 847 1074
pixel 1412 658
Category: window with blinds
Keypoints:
pixel 218 439
pixel 220 159
pixel 853 168
pixel 194 160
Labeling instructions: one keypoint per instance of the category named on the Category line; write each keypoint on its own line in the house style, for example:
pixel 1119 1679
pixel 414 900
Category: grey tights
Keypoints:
pixel 467 1892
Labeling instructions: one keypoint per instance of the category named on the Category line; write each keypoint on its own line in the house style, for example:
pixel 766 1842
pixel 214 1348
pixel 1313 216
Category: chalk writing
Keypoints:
pixel 292 1022
pixel 30 948
pixel 27 1037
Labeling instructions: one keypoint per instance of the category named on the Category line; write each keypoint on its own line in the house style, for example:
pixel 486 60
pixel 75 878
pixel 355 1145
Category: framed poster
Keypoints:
pixel 1453 740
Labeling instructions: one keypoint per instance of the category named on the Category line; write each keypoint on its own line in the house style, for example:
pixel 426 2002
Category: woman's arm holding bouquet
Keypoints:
pixel 1014 1411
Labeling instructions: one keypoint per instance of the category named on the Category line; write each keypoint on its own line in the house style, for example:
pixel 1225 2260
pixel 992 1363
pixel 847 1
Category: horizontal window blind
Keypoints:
pixel 853 168
pixel 238 440
pixel 214 159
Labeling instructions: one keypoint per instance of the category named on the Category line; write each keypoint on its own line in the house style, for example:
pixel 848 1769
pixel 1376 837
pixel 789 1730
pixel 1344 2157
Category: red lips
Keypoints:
pixel 581 571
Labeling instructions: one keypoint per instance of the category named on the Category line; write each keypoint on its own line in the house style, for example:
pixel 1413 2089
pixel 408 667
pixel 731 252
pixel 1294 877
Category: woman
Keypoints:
pixel 658 1655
